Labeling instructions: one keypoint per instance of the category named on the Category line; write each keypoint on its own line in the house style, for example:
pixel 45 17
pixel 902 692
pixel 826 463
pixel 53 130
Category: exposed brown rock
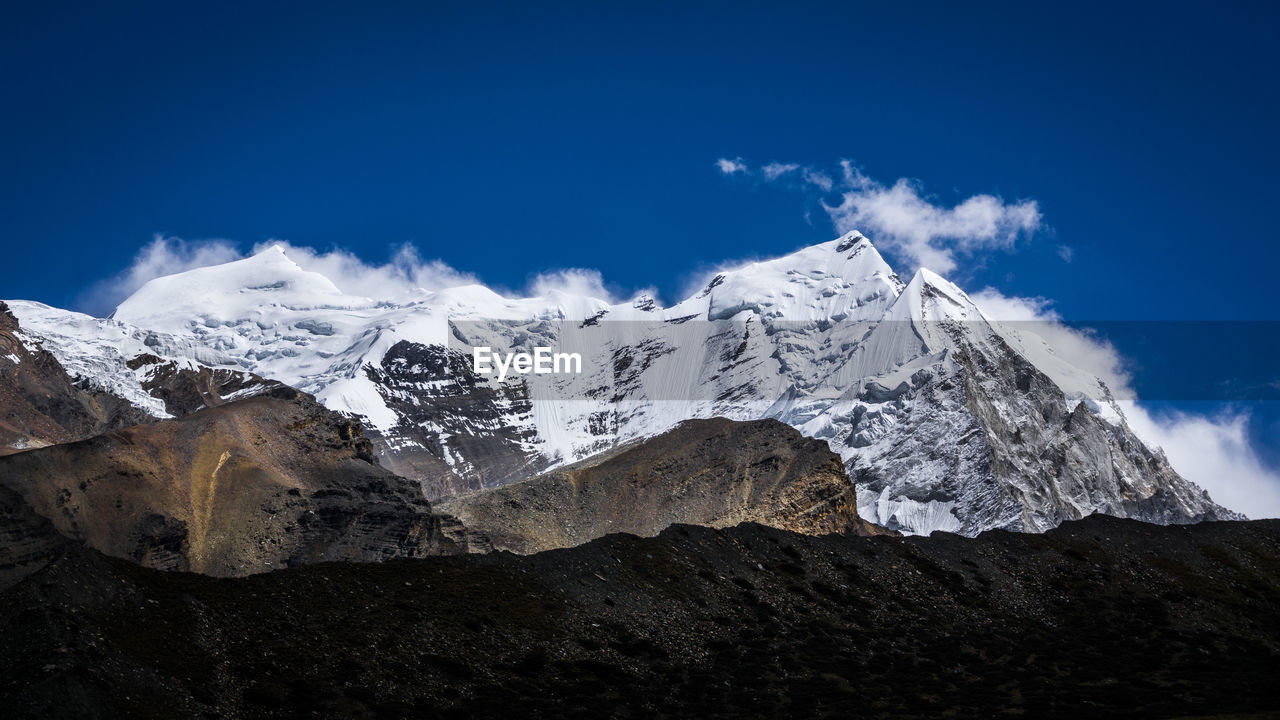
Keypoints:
pixel 713 472
pixel 40 404
pixel 253 485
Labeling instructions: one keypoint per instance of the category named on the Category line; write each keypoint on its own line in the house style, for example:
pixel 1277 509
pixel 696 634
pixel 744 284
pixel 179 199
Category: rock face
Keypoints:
pixel 187 387
pixel 1097 618
pixel 41 405
pixel 436 395
pixel 249 486
pixel 981 410
pixel 714 472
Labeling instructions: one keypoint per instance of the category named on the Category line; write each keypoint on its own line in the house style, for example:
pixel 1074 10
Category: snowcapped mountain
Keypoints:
pixel 945 420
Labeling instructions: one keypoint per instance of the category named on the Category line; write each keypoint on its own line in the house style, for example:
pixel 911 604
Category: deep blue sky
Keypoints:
pixel 508 140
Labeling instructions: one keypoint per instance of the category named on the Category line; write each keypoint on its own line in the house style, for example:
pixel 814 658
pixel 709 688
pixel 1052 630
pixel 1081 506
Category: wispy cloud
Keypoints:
pixel 572 281
pixel 930 235
pixel 1215 452
pixel 731 167
pixel 405 272
pixel 817 179
pixel 164 255
pixel 1075 346
pixel 773 171
pixel 903 220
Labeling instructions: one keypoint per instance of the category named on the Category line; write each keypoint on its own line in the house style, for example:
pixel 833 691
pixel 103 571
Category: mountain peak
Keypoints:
pixel 931 297
pixel 925 276
pixel 849 240
pixel 276 250
pixel 230 291
pixel 844 278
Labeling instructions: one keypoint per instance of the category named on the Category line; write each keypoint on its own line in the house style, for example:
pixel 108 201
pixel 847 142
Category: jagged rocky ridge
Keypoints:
pixel 944 419
pixel 714 472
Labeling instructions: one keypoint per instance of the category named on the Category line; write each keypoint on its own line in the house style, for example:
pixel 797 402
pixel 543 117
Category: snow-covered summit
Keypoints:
pixel 843 279
pixel 252 287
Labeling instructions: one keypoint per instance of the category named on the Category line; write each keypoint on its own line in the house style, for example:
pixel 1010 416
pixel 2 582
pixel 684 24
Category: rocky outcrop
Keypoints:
pixel 187 387
pixel 714 472
pixel 249 486
pixel 41 405
pixel 436 395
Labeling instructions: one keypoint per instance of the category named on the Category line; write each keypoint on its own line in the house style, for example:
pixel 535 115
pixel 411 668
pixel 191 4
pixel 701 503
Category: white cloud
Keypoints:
pixel 1213 451
pixel 1066 252
pixel 899 218
pixel 731 167
pixel 818 179
pixel 572 281
pixel 1077 348
pixel 164 255
pixel 998 306
pixel 773 171
pixel 903 221
pixel 404 273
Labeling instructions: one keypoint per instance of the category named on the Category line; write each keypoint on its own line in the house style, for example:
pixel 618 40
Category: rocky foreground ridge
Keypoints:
pixel 1100 617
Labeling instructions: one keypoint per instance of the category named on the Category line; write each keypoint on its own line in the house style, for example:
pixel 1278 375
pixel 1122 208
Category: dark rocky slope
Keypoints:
pixel 249 486
pixel 28 540
pixel 716 473
pixel 1101 617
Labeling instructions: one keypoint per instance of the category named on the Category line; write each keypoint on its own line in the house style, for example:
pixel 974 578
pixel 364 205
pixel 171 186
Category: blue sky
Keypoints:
pixel 510 140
